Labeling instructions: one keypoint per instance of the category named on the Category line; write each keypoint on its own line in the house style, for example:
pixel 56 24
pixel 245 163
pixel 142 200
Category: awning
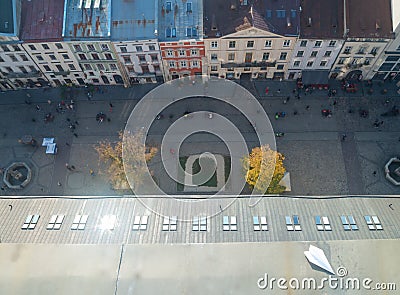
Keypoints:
pixel 315 77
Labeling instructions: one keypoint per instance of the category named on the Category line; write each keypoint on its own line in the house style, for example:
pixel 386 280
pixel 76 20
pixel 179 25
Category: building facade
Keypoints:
pixel 180 32
pixel 87 31
pixel 367 31
pixel 253 41
pixel 134 36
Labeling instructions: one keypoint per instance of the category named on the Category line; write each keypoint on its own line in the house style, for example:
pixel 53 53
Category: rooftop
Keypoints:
pixel 87 19
pixel 369 18
pixel 133 20
pixel 121 220
pixel 321 19
pixel 41 20
pixel 223 17
pixel 180 20
pixel 7 16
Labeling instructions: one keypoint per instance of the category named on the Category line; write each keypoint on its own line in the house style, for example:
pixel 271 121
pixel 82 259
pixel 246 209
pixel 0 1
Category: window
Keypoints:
pixel 303 43
pixel 286 43
pixel 310 63
pixel 280 67
pixel 181 52
pixel 232 44
pixel 194 52
pixel 47 68
pixel 72 67
pixel 172 64
pixel 95 56
pixel 314 53
pixel 170 53
pixel 32 47
pixel 59 68
pixel 55 222
pixel 82 56
pixel 45 46
pixel 31 222
pixel 142 58
pixel 322 223
pixel 9 69
pixel 281 13
pixel 154 57
pixel 214 68
pixel 123 49
pixel 59 46
pixel 113 67
pixel 362 50
pixel 183 64
pixel 1 59
pixel 65 56
pixel 168 32
pixel 5 48
pixel 269 13
pixel 347 49
pixel 293 224
pixel 127 59
pixel 52 57
pixel 328 53
pixel 317 43
pixel 248 57
pixel 341 60
pixel 195 64
pixel 231 56
pixel 373 222
pixel 88 67
pixel 77 47
pixel 229 223
pixel 189 7
pixel 169 223
pixel 131 69
pixel 283 56
pixel 100 67
pixel 79 222
pixel 139 48
pixel 300 53
pixel 173 32
pixel 250 44
pixel 348 222
pixel 156 68
pixel 260 223
pixel 354 61
pixel 168 6
pixel 296 63
pixel 104 47
pixel 108 56
pixel 214 57
pixel 23 70
pixel 332 43
pixel 32 69
pixel 268 43
pixel 374 50
pixel 293 13
pixel 265 56
pixel 12 57
pixel 188 32
pixel 322 63
pixel 214 44
pixel 91 47
pixel 194 32
pixel 199 223
pixel 152 47
pixel 140 223
pixel 367 61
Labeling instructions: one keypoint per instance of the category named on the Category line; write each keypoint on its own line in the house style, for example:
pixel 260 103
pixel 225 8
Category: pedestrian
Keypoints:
pixel 295 113
pixel 374 173
pixel 307 107
pixel 59 183
pixel 334 102
pixel 278 91
pixel 76 123
pixel 344 137
pixel 266 90
pixel 111 105
pixel 91 172
pixel 72 167
pixel 67 166
pixel 287 98
pixel 37 107
pixel 49 102
pixel 67 144
pixel 76 135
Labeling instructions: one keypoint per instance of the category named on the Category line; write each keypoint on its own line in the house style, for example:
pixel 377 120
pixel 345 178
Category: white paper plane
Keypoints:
pixel 317 256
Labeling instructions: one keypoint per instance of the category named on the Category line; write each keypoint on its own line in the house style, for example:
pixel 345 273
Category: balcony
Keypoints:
pixel 354 66
pixel 19 75
pixel 248 64
pixel 62 73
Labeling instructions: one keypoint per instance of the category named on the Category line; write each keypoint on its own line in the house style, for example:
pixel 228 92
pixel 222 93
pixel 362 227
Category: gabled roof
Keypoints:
pixel 222 17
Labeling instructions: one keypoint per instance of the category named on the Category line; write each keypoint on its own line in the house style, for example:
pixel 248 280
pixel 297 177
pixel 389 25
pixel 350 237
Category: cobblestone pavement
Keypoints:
pixel 319 162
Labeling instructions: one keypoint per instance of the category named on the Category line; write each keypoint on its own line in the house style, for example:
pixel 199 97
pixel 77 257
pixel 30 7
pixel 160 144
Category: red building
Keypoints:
pixel 182 58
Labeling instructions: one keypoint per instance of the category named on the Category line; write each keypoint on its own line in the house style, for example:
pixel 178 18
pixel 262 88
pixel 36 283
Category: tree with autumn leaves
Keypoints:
pixel 125 155
pixel 264 170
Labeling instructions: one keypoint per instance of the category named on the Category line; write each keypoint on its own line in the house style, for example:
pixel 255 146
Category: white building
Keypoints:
pixel 367 29
pixel 250 41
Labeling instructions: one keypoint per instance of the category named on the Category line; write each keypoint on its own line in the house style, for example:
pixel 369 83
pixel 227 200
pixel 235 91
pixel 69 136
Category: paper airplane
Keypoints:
pixel 317 256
